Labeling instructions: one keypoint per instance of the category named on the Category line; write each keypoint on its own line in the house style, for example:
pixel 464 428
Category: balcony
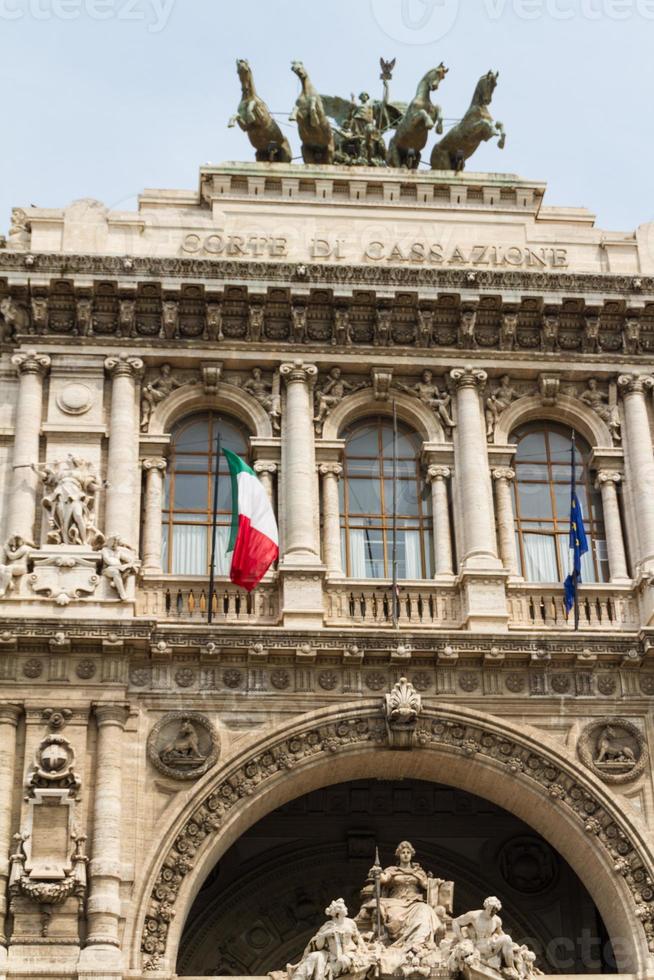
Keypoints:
pixel 170 598
pixel 369 603
pixel 601 607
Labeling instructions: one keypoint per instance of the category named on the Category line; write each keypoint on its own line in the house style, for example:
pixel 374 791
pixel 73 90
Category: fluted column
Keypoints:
pixel 9 716
pixel 122 457
pixel 473 476
pixel 266 473
pixel 21 502
pixel 155 469
pixel 103 906
pixel 640 456
pixel 331 518
pixel 299 464
pixel 503 476
pixel 438 477
pixel 607 481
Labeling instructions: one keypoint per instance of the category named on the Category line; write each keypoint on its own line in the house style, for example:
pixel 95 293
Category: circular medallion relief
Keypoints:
pixel 614 749
pixel 527 864
pixel 75 398
pixel 183 745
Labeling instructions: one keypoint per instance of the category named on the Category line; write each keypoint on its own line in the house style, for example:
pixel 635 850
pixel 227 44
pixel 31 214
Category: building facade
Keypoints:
pixel 179 796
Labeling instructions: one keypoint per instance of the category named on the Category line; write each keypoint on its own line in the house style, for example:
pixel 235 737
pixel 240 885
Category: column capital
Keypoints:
pixel 297 371
pixel 608 476
pixel 468 377
pixel 123 365
pixel 261 466
pixel 110 714
pixel 435 473
pixel 30 362
pixel 503 473
pixel 10 714
pixel 630 384
pixel 331 469
pixel 154 463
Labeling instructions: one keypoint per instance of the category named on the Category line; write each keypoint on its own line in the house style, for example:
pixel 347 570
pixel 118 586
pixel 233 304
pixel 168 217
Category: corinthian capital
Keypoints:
pixel 31 363
pixel 298 371
pixel 435 473
pixel 503 473
pixel 468 377
pixel 123 365
pixel 331 469
pixel 630 384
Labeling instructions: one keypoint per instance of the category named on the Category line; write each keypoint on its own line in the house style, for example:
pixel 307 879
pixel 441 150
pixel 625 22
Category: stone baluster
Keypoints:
pixel 103 908
pixel 21 500
pixel 438 477
pixel 473 478
pixel 503 477
pixel 9 717
pixel 122 456
pixel 607 481
pixel 155 469
pixel 299 465
pixel 640 456
pixel 331 518
pixel 266 473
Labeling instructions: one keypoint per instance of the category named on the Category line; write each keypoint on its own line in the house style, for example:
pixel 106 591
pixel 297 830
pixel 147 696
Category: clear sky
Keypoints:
pixel 102 98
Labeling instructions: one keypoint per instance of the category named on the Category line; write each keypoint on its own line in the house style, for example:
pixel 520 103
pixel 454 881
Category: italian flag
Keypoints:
pixel 254 540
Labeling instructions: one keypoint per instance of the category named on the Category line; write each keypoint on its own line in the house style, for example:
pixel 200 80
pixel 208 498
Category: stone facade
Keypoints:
pixel 294 302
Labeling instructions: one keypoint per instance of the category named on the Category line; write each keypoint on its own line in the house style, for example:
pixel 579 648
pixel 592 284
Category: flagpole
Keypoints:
pixel 394 552
pixel 214 521
pixel 573 497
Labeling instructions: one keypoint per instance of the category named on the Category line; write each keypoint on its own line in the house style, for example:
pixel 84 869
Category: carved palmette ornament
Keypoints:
pixel 183 745
pixel 614 749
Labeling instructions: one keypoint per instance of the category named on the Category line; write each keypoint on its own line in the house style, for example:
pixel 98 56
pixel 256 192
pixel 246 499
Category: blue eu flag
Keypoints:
pixel 578 540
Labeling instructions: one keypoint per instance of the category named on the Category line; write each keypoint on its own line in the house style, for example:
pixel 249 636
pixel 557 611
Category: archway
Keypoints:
pixel 264 900
pixel 517 768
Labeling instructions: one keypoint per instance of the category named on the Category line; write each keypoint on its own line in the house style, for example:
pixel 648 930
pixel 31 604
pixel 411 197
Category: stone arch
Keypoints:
pixel 518 768
pixel 570 411
pixel 229 398
pixel 362 403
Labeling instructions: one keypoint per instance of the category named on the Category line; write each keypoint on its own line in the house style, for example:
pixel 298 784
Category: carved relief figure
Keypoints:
pixel 215 322
pixel 298 324
pixel 263 393
pixel 156 391
pixel 170 320
pixel 430 395
pixel 254 118
pixel 483 929
pixel 17 551
pixel 119 562
pixel 39 314
pixel 477 126
pixel 425 328
pixel 592 344
pixel 127 318
pixel 69 499
pixel 551 333
pixel 467 324
pixel 383 327
pixel 184 749
pixel 497 402
pixel 509 331
pixel 336 949
pixel 598 400
pixel 333 391
pixel 342 329
pixel 413 129
pixel 614 749
pixel 255 323
pixel 15 319
pixel 631 336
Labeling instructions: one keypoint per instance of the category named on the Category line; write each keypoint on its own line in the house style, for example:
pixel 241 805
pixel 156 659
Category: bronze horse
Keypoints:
pixel 477 126
pixel 254 118
pixel 313 125
pixel 412 131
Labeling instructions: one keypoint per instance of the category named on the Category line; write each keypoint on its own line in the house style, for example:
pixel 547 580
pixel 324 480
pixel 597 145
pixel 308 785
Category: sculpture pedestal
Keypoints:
pixel 64 573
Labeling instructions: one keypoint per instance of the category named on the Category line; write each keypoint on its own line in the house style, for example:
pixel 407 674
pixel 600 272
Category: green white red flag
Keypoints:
pixel 254 539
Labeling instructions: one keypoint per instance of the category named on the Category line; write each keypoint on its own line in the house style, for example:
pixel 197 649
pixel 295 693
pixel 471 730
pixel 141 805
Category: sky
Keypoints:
pixel 102 98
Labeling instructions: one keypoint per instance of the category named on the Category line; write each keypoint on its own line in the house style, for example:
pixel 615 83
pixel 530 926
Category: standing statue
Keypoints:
pixel 69 499
pixel 254 118
pixel 313 125
pixel 422 115
pixel 477 126
pixel 336 949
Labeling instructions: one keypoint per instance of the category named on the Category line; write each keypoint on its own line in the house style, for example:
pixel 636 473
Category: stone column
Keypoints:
pixel 607 481
pixel 331 518
pixel 438 477
pixel 472 471
pixel 103 908
pixel 122 457
pixel 154 468
pixel 9 716
pixel 640 456
pixel 299 464
pixel 21 501
pixel 503 477
pixel 266 473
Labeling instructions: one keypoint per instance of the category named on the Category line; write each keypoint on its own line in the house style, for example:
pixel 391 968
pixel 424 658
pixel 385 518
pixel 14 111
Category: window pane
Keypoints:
pixel 535 500
pixel 406 443
pixel 184 461
pixel 406 497
pixel 531 446
pixel 364 442
pixel 190 492
pixel 534 472
pixel 540 558
pixel 363 467
pixel 560 447
pixel 364 496
pixel 194 437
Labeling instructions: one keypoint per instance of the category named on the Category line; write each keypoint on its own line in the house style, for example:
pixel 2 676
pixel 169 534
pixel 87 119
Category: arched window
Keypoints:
pixel 188 500
pixel 367 503
pixel 543 471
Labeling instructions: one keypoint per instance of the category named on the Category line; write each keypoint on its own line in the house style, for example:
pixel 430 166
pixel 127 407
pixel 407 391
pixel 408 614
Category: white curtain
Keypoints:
pixel 223 560
pixel 412 566
pixel 189 549
pixel 358 554
pixel 540 558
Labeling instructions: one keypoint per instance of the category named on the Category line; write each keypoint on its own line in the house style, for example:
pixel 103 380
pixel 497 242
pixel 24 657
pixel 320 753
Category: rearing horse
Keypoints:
pixel 412 131
pixel 476 127
pixel 254 118
pixel 312 122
